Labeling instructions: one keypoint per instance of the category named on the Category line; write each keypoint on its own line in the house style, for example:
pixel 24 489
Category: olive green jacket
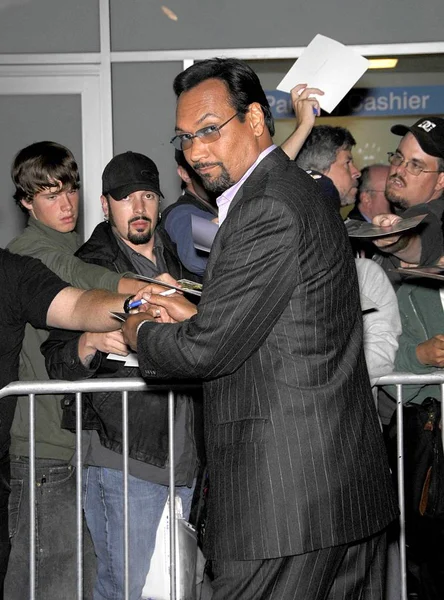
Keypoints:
pixel 56 251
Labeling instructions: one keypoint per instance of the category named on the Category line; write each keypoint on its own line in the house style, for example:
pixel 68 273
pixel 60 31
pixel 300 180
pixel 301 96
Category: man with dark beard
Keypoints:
pixel 127 241
pixel 415 186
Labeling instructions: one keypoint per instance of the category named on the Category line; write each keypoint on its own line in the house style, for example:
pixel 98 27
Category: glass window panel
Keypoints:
pixel 146 25
pixel 46 26
pixel 25 119
pixel 144 116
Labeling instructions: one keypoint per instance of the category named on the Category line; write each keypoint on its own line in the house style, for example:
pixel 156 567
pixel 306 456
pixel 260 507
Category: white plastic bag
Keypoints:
pixel 157 584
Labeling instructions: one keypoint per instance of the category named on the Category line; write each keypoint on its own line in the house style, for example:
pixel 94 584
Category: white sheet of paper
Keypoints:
pixel 130 360
pixel 203 232
pixel 329 66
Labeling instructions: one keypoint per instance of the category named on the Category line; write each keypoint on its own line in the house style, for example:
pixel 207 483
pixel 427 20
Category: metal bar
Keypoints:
pixel 32 484
pixel 400 448
pixel 411 378
pixel 441 423
pixel 125 493
pixel 271 53
pixel 136 384
pixel 79 510
pixel 106 103
pixel 172 496
pixel 398 48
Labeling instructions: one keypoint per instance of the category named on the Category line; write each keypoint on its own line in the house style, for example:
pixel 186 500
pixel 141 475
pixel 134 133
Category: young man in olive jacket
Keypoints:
pixel 47 183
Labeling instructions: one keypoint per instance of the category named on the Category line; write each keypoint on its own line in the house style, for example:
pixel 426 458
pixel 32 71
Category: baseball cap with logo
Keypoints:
pixel 130 172
pixel 428 131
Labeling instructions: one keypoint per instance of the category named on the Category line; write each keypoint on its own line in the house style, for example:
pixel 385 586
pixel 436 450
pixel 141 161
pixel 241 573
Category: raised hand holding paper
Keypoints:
pixel 328 65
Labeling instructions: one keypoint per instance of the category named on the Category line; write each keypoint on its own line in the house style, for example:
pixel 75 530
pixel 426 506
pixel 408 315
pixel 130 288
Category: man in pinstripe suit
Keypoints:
pixel 300 488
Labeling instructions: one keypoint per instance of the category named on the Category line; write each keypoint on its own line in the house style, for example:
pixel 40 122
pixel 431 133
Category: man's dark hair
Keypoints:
pixel 242 82
pixel 322 145
pixel 41 166
pixel 182 162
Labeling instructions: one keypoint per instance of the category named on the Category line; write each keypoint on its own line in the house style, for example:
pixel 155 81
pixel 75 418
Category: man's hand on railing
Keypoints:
pixel 431 352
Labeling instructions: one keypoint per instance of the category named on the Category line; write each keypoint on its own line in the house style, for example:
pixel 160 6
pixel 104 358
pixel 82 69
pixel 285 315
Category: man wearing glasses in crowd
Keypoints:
pixel 415 185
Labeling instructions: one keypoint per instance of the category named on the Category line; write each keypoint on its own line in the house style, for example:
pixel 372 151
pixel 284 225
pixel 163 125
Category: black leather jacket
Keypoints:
pixel 148 411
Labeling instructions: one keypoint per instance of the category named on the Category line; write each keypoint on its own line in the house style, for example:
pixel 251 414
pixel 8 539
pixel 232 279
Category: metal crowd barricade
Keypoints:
pixel 124 385
pixel 400 379
pixel 136 385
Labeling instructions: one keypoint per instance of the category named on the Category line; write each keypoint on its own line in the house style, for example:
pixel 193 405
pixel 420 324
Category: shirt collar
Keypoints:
pixel 225 199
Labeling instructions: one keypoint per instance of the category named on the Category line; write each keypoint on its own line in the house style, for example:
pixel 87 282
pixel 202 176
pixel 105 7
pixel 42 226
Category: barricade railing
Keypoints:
pixel 125 386
pixel 398 380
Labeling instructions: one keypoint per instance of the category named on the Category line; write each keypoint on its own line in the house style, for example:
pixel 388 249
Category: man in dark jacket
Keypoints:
pixel 177 217
pixel 126 241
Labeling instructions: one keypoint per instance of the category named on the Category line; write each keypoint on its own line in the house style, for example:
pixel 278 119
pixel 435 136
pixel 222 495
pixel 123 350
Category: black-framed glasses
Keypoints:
pixel 207 135
pixel 411 167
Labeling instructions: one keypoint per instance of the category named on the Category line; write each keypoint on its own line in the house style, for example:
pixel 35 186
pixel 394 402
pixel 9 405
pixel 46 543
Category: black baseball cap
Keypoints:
pixel 429 132
pixel 130 172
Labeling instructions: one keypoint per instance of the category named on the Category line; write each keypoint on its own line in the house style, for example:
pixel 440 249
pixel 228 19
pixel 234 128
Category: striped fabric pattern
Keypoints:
pixel 295 454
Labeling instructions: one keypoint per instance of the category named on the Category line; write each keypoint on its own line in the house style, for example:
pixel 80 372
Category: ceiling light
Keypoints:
pixel 382 63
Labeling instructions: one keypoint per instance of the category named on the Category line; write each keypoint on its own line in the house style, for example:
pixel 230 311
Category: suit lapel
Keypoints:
pixel 275 158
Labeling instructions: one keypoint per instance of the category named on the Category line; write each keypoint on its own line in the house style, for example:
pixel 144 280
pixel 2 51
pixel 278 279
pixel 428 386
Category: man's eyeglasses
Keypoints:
pixel 207 135
pixel 411 167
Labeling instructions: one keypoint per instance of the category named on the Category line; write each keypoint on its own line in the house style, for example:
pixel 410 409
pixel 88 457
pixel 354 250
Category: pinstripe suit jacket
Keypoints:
pixel 295 454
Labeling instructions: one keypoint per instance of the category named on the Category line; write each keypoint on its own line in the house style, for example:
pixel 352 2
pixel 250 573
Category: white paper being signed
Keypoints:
pixel 329 66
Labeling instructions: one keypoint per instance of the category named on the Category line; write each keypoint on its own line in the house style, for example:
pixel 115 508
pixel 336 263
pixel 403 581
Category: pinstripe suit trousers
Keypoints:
pixel 348 572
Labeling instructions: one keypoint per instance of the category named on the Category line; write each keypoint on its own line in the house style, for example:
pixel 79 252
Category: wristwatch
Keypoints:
pixel 126 304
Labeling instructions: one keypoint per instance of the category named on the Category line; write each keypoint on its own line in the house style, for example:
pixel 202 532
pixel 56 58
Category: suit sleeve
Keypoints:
pixel 249 282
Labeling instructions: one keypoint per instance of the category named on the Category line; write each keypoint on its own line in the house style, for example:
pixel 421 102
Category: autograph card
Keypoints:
pixel 329 66
pixel 190 287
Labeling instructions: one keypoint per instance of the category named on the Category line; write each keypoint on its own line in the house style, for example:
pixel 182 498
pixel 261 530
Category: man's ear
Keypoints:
pixel 105 206
pixel 440 182
pixel 183 175
pixel 26 204
pixel 364 199
pixel 256 117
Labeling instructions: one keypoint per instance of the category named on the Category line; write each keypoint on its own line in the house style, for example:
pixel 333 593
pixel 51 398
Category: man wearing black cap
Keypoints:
pixel 415 185
pixel 127 241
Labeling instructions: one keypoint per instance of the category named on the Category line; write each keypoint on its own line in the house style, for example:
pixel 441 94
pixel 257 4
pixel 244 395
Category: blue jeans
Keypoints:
pixel 56 533
pixel 103 506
